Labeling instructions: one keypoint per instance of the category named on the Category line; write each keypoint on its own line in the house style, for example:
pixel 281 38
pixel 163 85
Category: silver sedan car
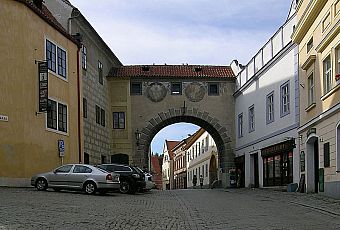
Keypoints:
pixel 84 177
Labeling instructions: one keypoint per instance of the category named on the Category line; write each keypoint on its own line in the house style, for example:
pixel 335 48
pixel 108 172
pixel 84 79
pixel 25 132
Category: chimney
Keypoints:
pixel 38 3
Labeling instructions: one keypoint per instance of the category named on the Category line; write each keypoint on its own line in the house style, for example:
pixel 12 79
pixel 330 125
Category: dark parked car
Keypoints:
pixel 131 179
pixel 77 177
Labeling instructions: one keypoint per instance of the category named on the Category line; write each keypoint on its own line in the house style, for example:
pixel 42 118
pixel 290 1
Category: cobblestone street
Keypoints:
pixel 177 209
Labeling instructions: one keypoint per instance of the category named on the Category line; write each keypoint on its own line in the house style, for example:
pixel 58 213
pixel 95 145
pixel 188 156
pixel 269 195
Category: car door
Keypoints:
pixel 59 177
pixel 79 174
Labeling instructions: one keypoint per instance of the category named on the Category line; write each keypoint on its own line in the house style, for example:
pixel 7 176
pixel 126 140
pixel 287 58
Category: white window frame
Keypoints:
pixel 251 118
pixel 67 117
pixel 285 99
pixel 327 75
pixel 311 88
pixel 55 71
pixel 270 108
pixel 240 125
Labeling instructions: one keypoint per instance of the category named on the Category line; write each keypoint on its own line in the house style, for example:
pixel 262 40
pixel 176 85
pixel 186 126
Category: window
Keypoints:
pixel 213 89
pixel 311 96
pixel 270 108
pixel 102 117
pixel 119 120
pixel 64 169
pixel 57 116
pixel 84 57
pixel 203 170
pixel 326 157
pixel 326 22
pixel 84 107
pixel 176 88
pixel 81 169
pixel 206 170
pixel 310 45
pixel 136 88
pixel 251 118
pixel 207 142
pixel 285 99
pixel 240 125
pixel 52 114
pixel 62 117
pixel 327 75
pixel 61 62
pixel 97 114
pixel 86 158
pixel 56 58
pixel 50 55
pixel 100 72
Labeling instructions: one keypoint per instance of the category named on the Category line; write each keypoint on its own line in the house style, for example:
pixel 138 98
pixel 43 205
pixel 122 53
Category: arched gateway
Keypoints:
pixel 145 99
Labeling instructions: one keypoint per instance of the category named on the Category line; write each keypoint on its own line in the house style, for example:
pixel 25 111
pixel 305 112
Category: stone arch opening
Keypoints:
pixel 212 170
pixel 218 132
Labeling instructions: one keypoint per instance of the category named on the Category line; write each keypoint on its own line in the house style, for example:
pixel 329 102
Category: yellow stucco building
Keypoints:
pixel 29 139
pixel 317 34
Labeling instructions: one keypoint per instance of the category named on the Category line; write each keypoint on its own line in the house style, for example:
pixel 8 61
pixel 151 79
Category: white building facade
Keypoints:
pixel 202 159
pixel 167 166
pixel 267 112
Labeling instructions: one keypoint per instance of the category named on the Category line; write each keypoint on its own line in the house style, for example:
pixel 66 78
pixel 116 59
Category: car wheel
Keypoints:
pixel 124 187
pixel 90 188
pixel 41 184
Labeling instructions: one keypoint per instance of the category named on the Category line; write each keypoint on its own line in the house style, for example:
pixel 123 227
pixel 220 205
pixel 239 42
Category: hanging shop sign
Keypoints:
pixel 43 86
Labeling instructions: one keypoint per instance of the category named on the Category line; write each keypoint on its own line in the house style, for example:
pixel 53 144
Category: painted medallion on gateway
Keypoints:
pixel 195 92
pixel 156 92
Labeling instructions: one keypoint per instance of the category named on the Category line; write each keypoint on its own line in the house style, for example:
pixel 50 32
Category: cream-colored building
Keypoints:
pixel 28 138
pixel 317 34
pixel 168 164
pixel 202 158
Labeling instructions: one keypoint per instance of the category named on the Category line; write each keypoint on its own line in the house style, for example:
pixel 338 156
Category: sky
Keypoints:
pixel 209 32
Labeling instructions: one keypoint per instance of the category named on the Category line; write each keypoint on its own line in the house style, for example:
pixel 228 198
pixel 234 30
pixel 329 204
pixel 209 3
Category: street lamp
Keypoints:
pixel 137 136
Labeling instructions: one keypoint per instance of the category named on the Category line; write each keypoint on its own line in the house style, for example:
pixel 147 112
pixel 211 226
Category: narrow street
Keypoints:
pixel 176 209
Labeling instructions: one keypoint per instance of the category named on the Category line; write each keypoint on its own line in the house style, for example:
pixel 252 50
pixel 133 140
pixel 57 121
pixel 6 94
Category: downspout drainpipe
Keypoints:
pixel 78 84
pixel 79 115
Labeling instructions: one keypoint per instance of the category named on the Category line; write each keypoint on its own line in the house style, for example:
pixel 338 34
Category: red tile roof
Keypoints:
pixel 172 71
pixel 47 16
pixel 170 145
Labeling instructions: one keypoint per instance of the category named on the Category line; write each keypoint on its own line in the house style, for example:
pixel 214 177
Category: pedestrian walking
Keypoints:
pixel 201 181
pixel 194 180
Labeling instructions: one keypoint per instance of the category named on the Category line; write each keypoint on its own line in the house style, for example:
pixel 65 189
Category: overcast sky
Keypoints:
pixel 210 32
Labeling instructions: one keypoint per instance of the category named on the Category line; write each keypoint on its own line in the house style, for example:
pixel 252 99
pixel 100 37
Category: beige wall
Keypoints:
pixel 26 146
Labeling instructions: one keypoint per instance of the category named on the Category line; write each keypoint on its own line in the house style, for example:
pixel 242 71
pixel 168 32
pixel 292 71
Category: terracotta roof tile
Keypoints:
pixel 46 15
pixel 172 71
pixel 170 145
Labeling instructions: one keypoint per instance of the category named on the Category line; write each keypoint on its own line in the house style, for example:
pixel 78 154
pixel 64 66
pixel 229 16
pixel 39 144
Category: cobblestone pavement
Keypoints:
pixel 178 209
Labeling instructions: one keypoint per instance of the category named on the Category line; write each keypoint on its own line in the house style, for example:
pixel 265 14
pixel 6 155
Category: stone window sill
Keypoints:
pixel 335 88
pixel 310 107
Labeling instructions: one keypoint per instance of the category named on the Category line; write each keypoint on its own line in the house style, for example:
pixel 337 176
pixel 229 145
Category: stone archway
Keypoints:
pixel 195 116
pixel 212 170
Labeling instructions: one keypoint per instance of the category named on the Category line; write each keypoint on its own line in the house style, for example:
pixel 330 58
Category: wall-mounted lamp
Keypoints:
pixel 302 85
pixel 137 136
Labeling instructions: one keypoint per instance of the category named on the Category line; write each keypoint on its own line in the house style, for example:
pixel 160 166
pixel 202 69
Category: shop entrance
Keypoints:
pixel 278 164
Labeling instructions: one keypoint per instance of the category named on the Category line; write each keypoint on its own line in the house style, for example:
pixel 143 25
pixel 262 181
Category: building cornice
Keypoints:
pixel 311 12
pixel 320 117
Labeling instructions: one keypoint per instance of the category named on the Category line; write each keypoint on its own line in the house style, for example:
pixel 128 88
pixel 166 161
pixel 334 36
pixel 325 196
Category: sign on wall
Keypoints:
pixel 61 148
pixel 3 118
pixel 43 86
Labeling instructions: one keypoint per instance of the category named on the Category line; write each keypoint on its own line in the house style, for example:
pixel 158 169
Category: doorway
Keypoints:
pixel 312 165
pixel 256 170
